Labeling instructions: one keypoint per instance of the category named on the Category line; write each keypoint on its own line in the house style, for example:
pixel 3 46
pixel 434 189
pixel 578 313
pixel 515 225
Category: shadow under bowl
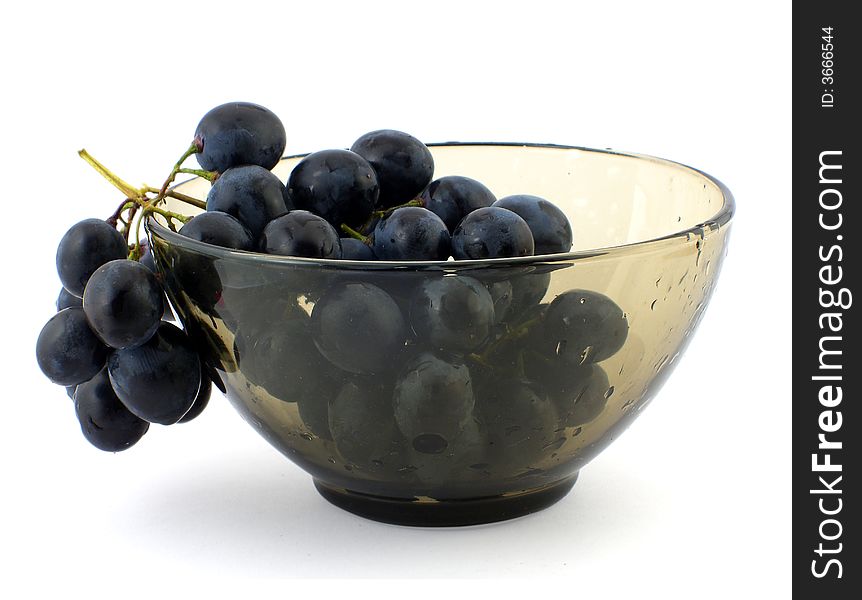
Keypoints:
pixel 399 424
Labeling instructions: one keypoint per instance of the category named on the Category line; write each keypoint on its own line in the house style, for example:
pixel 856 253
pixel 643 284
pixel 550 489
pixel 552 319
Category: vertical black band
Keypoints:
pixel 827 433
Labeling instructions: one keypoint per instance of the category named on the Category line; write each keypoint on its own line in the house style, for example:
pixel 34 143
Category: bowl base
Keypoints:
pixel 446 513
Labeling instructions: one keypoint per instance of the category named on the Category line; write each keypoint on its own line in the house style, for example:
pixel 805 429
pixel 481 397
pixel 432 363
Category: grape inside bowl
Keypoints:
pixel 342 368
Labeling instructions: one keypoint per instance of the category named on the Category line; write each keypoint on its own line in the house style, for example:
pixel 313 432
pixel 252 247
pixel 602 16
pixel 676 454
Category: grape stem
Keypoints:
pixel 129 190
pixel 133 194
pixel 210 176
pixel 138 200
pixel 380 214
pixel 389 211
pixel 178 196
pixel 192 149
pixel 354 234
pixel 514 334
pixel 117 217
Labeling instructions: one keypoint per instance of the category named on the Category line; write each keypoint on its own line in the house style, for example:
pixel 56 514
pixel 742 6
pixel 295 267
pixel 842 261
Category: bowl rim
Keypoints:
pixel 701 230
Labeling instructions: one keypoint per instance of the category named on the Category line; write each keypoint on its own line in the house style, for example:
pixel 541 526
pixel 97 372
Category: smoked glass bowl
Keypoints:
pixel 543 397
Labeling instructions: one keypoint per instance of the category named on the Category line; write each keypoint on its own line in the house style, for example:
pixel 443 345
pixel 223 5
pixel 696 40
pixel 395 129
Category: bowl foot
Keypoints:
pixel 446 513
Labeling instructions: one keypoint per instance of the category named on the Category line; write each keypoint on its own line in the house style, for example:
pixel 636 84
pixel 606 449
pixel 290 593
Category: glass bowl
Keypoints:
pixel 581 342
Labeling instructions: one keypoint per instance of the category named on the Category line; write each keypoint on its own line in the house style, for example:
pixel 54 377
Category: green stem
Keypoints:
pixel 129 190
pixel 388 211
pixel 135 253
pixel 379 214
pixel 208 175
pixel 515 334
pixel 148 209
pixel 353 233
pixel 178 196
pixel 165 213
pixel 137 199
pixel 118 214
pixel 192 149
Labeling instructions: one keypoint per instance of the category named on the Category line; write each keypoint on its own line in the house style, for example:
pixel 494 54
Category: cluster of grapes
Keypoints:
pixel 433 372
pixel 112 345
pixel 423 363
pixel 376 201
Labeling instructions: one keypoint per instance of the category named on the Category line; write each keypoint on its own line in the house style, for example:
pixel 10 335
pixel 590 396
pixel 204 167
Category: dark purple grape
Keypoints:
pixel 201 400
pixel 501 295
pixel 589 401
pixel 370 224
pixel 454 197
pixel 491 232
pixel 123 303
pixel 353 249
pixel 433 397
pixel 551 230
pixel 67 300
pixel 70 391
pixel 581 326
pixel 239 133
pixel 411 233
pixel 68 352
pixel 105 421
pixel 260 306
pixel 528 289
pixel 358 327
pixel 149 262
pixel 280 357
pixel 403 164
pixel 338 185
pixel 84 248
pixel 452 314
pixel 579 393
pixel 519 421
pixel 362 424
pixel 219 229
pixel 194 276
pixel 159 380
pixel 251 194
pixel 301 233
pixel 147 259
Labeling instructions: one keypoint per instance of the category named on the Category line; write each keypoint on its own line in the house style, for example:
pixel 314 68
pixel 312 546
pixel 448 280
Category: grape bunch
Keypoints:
pixel 375 201
pixel 394 367
pixel 112 345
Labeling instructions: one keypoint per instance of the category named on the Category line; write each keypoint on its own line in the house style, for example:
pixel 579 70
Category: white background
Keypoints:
pixel 693 501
